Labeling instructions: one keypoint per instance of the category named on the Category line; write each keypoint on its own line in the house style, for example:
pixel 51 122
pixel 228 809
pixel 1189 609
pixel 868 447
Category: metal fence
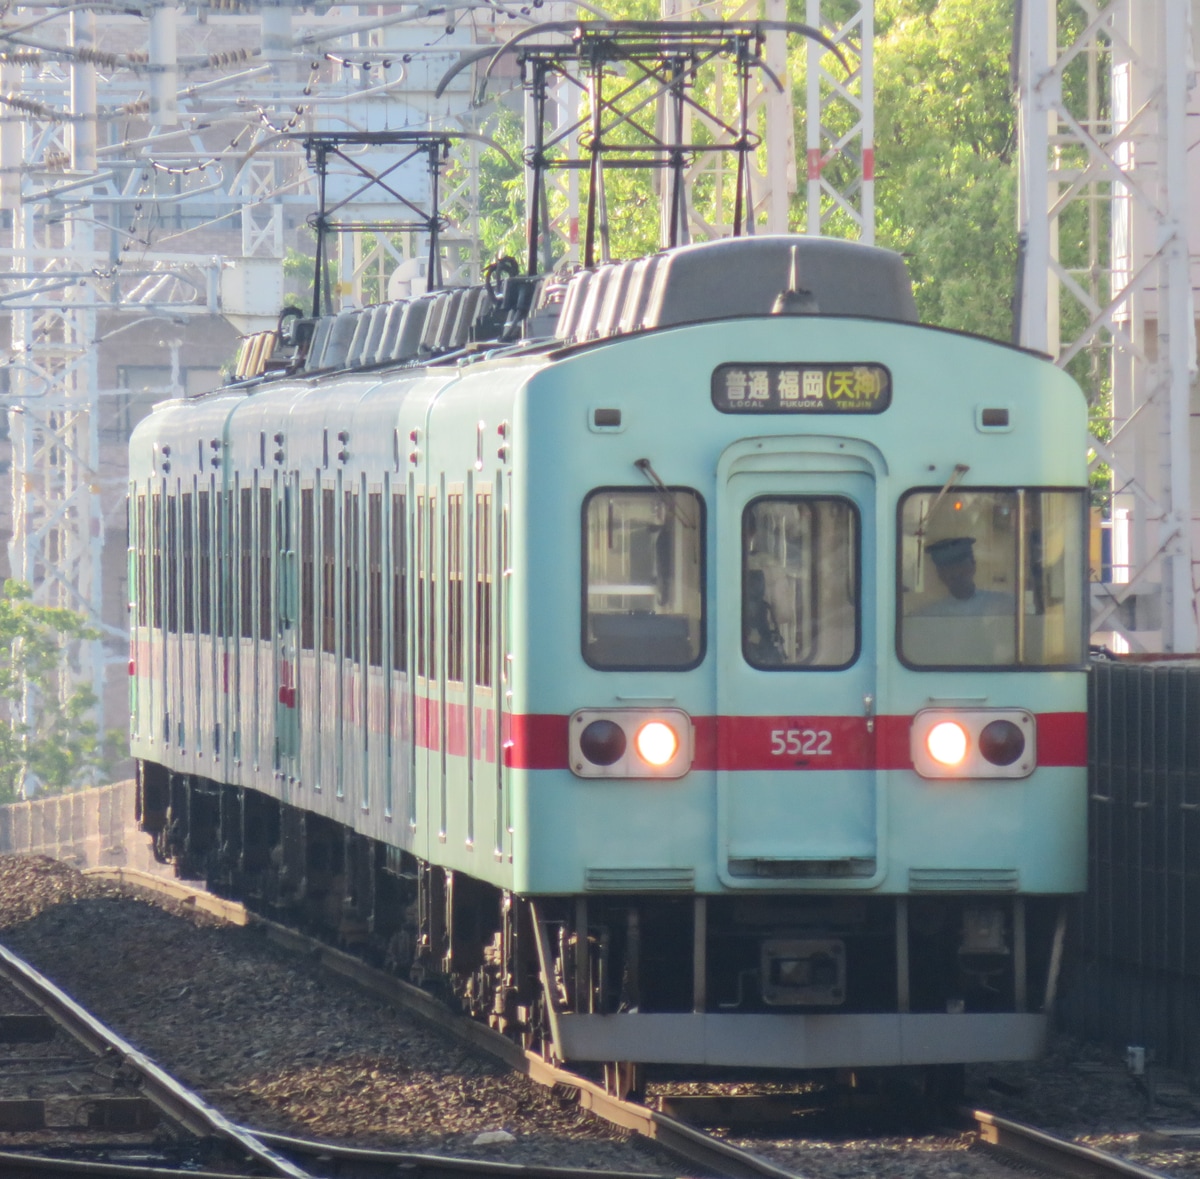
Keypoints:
pixel 1134 974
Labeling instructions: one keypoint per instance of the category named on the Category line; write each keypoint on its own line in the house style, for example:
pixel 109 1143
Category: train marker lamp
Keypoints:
pixel 630 743
pixel 974 743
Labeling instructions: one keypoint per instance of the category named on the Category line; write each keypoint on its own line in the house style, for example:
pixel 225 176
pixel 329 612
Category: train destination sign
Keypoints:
pixel 801 388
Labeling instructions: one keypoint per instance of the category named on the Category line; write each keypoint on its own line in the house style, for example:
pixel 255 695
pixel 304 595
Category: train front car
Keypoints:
pixel 701 687
pixel 798 734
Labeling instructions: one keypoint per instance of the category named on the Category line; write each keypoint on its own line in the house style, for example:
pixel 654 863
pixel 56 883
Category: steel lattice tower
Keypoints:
pixel 1103 109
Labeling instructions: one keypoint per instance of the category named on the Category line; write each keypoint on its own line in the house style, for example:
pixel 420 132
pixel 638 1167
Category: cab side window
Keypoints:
pixel 993 577
pixel 643 578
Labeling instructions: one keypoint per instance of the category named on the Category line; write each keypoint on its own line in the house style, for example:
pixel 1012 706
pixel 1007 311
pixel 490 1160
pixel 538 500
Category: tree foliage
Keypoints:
pixel 946 168
pixel 945 130
pixel 62 741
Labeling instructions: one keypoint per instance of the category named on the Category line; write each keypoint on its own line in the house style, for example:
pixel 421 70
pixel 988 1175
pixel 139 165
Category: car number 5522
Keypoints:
pixel 801 742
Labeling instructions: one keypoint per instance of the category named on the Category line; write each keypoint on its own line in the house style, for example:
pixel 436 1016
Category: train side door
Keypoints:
pixel 796 631
pixel 287 605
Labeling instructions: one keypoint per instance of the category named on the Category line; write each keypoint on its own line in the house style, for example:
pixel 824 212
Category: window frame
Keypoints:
pixel 138 505
pixel 803 497
pixel 1011 489
pixel 453 570
pixel 702 576
pixel 483 541
pixel 398 556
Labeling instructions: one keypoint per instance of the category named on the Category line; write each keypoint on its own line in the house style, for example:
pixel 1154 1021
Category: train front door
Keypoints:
pixel 796 630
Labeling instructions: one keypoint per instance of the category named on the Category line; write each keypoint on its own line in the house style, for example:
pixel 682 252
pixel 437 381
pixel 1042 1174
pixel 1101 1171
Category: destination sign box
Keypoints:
pixel 801 388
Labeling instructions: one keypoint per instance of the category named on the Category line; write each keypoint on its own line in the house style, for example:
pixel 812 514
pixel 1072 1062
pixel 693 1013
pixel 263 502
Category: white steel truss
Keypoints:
pixel 1103 107
pixel 841 124
pixel 770 111
pixel 85 237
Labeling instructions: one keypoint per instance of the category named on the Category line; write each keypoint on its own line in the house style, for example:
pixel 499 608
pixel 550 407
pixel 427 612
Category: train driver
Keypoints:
pixel 964 624
pixel 954 562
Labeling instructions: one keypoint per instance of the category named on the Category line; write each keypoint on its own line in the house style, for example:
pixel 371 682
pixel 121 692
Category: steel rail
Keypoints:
pixel 393 1162
pixel 179 1104
pixel 1057 1154
pixel 677 1138
pixel 24 1164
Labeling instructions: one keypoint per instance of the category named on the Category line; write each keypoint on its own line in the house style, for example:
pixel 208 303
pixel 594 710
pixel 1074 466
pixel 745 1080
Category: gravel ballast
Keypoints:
pixel 276 1042
pixel 280 1044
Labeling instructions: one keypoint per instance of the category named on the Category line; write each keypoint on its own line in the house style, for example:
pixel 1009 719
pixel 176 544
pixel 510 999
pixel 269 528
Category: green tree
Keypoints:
pixel 61 741
pixel 946 159
pixel 946 167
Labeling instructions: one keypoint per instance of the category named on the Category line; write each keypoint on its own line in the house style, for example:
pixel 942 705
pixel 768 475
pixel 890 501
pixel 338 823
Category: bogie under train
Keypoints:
pixel 700 683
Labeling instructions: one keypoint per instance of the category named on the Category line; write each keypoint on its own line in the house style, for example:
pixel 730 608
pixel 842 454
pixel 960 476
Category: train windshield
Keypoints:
pixel 992 578
pixel 800 582
pixel 643 568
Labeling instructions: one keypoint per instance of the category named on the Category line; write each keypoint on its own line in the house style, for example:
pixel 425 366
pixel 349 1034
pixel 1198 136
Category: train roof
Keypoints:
pixel 780 274
pixel 777 274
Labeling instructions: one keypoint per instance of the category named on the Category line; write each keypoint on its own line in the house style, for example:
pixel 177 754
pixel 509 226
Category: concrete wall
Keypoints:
pixel 87 828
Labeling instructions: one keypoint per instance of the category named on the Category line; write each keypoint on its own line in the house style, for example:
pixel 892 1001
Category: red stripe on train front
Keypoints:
pixel 1062 738
pixel 745 743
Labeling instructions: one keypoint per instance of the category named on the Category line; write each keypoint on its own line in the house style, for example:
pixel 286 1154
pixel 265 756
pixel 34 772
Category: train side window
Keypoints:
pixel 350 610
pixel 188 561
pixel 399 583
pixel 140 546
pixel 375 579
pixel 431 533
pixel 422 605
pixel 173 563
pixel 800 582
pixel 265 542
pixel 454 587
pixel 246 561
pixel 223 533
pixel 483 589
pixel 643 578
pixel 204 562
pixel 308 572
pixel 426 587
pixel 992 578
pixel 156 562
pixel 328 571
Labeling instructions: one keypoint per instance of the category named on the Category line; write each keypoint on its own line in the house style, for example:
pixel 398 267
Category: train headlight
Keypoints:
pixel 974 743
pixel 656 743
pixel 947 743
pixel 630 743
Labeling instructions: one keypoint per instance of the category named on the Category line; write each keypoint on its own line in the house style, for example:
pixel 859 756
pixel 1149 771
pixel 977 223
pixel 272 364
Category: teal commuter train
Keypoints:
pixel 680 662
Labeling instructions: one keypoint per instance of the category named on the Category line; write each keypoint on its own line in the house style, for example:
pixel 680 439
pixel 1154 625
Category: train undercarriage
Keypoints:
pixel 704 984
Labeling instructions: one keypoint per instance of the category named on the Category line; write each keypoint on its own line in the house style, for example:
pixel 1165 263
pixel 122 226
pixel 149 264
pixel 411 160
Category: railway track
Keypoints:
pixel 144 1093
pixel 1046 1151
pixel 1008 1140
pixel 684 1142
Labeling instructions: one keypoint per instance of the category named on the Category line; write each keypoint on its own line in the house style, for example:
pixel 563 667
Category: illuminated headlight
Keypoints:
pixel 630 743
pixel 656 743
pixel 974 743
pixel 947 744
